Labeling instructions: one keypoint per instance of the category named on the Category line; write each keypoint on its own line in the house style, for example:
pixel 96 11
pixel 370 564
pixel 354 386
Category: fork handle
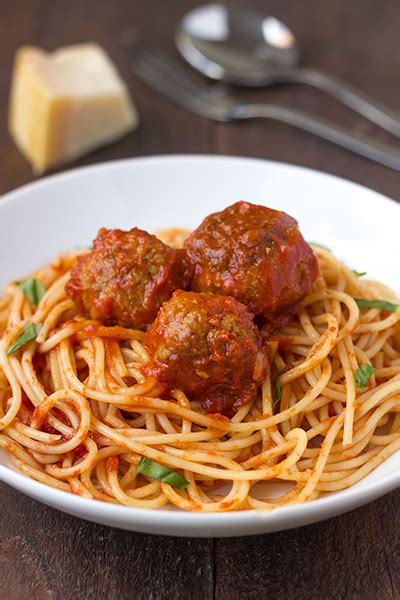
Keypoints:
pixel 385 154
pixel 355 99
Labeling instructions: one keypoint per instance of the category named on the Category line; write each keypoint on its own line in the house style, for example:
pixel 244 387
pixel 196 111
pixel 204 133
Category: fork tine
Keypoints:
pixel 166 76
pixel 156 77
pixel 172 71
pixel 181 75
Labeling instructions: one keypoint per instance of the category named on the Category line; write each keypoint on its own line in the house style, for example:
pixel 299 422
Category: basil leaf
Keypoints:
pixel 28 334
pixel 359 274
pixel 32 289
pixel 362 374
pixel 164 474
pixel 320 246
pixel 277 388
pixel 383 304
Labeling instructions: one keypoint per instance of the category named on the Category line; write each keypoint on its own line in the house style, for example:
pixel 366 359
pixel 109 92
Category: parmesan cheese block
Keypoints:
pixel 66 103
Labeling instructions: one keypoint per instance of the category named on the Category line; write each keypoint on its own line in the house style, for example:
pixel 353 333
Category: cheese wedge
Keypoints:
pixel 66 103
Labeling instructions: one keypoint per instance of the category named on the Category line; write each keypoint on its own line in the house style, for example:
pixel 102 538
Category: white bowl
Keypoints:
pixel 65 211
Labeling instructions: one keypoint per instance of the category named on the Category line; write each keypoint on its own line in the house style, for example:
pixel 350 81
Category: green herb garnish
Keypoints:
pixel 383 304
pixel 358 274
pixel 362 374
pixel 32 289
pixel 164 474
pixel 277 388
pixel 28 334
pixel 320 246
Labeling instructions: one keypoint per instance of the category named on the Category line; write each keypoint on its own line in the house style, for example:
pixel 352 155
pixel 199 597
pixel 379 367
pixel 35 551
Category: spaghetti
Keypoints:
pixel 77 413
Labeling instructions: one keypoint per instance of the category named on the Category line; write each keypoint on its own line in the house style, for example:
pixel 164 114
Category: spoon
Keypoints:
pixel 239 46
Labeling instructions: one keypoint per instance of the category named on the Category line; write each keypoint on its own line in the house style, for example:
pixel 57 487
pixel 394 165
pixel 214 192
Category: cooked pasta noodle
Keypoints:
pixel 77 413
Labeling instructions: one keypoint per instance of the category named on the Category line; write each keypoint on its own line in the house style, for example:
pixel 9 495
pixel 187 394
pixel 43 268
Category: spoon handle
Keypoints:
pixel 385 154
pixel 355 99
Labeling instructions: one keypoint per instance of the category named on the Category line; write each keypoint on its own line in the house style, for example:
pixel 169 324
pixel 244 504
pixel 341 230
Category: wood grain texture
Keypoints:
pixel 45 554
pixel 355 556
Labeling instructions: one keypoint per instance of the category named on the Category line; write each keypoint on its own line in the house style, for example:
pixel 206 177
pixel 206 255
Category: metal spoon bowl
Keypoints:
pixel 239 46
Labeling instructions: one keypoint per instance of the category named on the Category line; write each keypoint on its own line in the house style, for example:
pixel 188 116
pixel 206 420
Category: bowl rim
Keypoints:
pixel 280 518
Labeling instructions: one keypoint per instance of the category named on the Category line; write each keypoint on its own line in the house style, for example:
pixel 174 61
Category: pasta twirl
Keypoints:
pixel 77 413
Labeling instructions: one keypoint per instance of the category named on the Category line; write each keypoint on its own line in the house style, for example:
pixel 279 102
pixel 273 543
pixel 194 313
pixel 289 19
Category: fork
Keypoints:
pixel 167 77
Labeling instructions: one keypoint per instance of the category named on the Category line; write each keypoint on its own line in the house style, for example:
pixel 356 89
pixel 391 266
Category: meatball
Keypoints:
pixel 126 277
pixel 209 347
pixel 255 254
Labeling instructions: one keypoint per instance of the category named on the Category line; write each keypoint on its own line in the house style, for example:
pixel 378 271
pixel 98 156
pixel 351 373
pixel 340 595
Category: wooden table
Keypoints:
pixel 45 554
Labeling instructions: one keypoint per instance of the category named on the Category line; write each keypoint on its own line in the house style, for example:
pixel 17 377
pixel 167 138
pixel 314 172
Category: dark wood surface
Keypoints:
pixel 45 554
